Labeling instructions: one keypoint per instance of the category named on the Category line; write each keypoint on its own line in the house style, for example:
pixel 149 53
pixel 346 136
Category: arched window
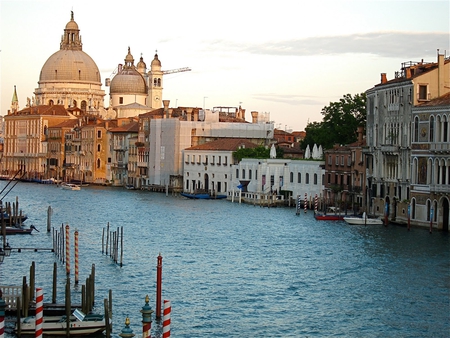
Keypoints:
pixel 98 163
pixel 74 103
pixel 291 177
pixel 431 139
pixel 416 129
pixel 83 105
pixel 299 178
pixel 50 102
pixel 307 178
pixel 413 208
pixel 98 147
pixel 315 178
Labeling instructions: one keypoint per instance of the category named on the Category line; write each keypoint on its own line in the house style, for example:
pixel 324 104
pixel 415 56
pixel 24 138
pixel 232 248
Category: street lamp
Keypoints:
pixel 7 250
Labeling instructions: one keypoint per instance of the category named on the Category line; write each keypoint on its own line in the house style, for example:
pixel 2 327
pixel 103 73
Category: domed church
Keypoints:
pixel 70 77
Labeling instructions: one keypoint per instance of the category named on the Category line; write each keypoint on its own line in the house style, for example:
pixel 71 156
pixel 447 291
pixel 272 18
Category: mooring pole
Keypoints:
pixel 158 287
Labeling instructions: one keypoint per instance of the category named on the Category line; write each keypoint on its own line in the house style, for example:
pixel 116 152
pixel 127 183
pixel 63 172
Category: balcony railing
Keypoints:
pixel 441 146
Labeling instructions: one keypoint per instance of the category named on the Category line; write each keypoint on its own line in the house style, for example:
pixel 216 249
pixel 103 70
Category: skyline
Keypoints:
pixel 268 59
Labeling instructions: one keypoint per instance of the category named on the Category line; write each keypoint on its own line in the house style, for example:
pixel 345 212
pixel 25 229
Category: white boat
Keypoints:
pixel 70 186
pixel 364 220
pixel 80 324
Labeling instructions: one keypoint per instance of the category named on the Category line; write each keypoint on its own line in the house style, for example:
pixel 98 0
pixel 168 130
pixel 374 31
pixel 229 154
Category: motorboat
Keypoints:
pixel 70 186
pixel 202 196
pixel 331 214
pixel 19 230
pixel 364 220
pixel 80 324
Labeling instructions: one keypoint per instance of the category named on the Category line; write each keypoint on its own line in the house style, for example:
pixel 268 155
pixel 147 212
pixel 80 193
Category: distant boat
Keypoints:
pixel 364 220
pixel 202 196
pixel 130 187
pixel 80 324
pixel 332 214
pixel 16 230
pixel 70 186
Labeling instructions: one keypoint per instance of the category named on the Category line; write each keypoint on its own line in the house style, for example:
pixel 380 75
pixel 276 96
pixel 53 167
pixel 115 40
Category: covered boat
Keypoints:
pixel 332 214
pixel 80 324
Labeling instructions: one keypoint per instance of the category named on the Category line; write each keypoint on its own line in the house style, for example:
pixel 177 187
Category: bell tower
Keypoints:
pixel 155 86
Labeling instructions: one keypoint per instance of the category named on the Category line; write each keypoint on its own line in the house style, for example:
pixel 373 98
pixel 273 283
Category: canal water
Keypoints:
pixel 236 270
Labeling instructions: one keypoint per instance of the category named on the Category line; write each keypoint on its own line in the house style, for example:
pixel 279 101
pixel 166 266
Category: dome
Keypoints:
pixel 155 61
pixel 72 25
pixel 128 81
pixel 71 66
pixel 141 63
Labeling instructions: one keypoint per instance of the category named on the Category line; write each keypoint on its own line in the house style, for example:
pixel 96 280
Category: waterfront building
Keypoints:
pixel 123 149
pixel 290 178
pixel 207 166
pixel 27 137
pixel 389 132
pixel 345 175
pixel 430 160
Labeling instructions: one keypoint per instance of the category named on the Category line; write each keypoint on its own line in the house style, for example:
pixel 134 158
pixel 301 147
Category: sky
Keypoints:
pixel 288 58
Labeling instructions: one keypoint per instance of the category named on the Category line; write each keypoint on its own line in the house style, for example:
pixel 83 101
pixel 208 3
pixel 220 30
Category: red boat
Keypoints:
pixel 332 214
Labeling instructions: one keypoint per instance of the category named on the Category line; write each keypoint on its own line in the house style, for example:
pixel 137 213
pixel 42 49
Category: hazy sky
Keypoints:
pixel 289 58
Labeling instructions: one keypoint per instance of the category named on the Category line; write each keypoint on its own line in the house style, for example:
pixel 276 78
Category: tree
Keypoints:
pixel 340 122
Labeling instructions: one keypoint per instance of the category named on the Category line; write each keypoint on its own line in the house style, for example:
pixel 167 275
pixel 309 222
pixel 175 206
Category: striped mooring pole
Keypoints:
pixel 76 255
pixel 305 202
pixel 166 319
pixel 67 250
pixel 39 319
pixel 315 203
pixel 2 315
pixel 146 319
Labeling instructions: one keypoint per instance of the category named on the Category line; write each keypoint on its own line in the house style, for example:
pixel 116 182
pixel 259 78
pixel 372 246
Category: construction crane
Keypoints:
pixel 179 70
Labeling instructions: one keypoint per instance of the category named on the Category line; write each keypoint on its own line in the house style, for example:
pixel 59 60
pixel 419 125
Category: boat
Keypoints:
pixel 14 220
pixel 80 324
pixel 364 220
pixel 70 186
pixel 202 196
pixel 331 214
pixel 16 230
pixel 130 187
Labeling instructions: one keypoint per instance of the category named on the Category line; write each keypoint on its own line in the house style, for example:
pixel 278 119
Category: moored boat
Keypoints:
pixel 332 214
pixel 202 196
pixel 16 230
pixel 80 324
pixel 364 220
pixel 70 186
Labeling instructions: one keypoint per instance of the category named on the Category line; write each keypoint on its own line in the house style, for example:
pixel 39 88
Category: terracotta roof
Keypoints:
pixel 55 109
pixel 132 127
pixel 443 100
pixel 225 144
pixel 66 124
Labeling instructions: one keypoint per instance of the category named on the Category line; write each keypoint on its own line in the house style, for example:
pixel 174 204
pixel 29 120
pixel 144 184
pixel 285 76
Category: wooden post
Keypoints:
pixel 158 287
pixel 121 247
pixel 107 321
pixel 68 307
pixel 49 218
pixel 32 279
pixel 107 238
pixel 55 271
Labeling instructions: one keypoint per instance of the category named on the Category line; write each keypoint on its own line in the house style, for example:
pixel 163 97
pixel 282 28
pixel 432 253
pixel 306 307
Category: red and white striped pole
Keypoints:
pixel 315 203
pixel 2 315
pixel 39 319
pixel 305 202
pixel 76 256
pixel 166 319
pixel 67 250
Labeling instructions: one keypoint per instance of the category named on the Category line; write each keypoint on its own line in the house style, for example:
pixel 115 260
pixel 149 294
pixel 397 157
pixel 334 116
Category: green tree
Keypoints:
pixel 258 152
pixel 340 122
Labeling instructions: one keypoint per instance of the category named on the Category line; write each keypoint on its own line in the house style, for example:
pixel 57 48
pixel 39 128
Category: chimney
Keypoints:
pixel 188 114
pixel 383 78
pixel 254 117
pixel 166 108
pixel 360 131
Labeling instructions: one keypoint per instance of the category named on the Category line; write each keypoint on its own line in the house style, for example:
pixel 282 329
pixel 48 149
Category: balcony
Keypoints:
pixel 389 149
pixel 440 188
pixel 441 147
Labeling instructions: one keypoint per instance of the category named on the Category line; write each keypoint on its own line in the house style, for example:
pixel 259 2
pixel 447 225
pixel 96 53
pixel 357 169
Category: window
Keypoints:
pixel 249 174
pixel 342 160
pixel 98 147
pixel 99 134
pixel 329 178
pixel 315 178
pixel 120 100
pixel 243 174
pixel 337 159
pixel 291 177
pixel 431 129
pixel 329 159
pixel 307 178
pixel 416 129
pixel 299 178
pixel 423 92
pixel 237 173
pixel 98 163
